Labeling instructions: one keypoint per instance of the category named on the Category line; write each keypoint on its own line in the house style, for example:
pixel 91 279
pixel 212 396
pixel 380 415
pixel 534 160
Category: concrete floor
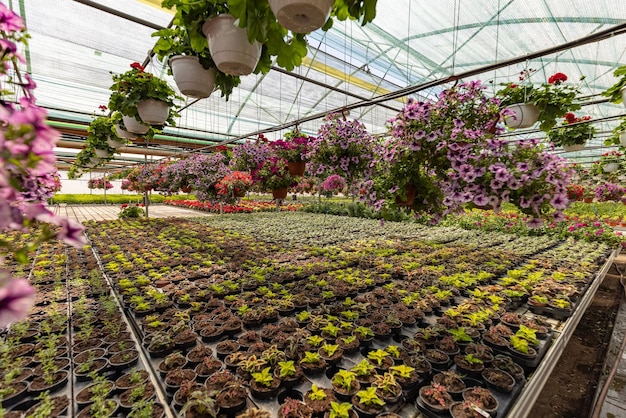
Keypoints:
pixel 106 212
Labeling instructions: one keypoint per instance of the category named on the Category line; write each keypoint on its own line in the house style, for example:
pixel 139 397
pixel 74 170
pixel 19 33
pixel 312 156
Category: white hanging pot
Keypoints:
pixel 623 91
pixel 521 115
pixel 102 153
pixel 610 167
pixel 114 143
pixel 191 78
pixel 572 148
pixel 229 46
pixel 132 125
pixel 123 133
pixel 622 138
pixel 154 112
pixel 301 16
pixel 95 160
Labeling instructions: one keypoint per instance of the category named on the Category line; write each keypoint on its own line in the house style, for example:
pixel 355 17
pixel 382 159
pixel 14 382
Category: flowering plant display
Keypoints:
pixel 427 140
pixel 606 192
pixel 293 148
pixel 611 157
pixel 575 192
pixel 273 174
pixel 572 131
pixel 208 170
pixel 135 85
pixel 99 183
pixel 333 184
pixel 248 155
pixel 27 172
pixel 446 151
pixel 553 99
pixel 234 185
pixel 344 148
pixel 306 185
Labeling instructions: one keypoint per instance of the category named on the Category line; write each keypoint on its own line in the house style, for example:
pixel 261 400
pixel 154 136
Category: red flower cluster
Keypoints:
pixel 571 118
pixel 575 192
pixel 103 108
pixel 137 66
pixel 557 78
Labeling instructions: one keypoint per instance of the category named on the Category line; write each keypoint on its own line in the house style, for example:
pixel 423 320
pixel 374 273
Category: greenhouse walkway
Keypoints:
pixel 82 213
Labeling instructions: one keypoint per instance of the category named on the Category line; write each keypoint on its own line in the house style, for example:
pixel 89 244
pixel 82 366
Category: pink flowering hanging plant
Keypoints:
pixel 293 148
pixel 99 183
pixel 333 184
pixel 342 147
pixel 28 175
pixel 447 151
pixel 273 174
pixel 248 155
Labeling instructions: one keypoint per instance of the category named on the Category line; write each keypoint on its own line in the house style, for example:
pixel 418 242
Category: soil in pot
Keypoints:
pixel 84 396
pixel 435 398
pixel 59 407
pixel 135 394
pixel 498 379
pixel 57 381
pixel 131 379
pixel 319 406
pixel 232 399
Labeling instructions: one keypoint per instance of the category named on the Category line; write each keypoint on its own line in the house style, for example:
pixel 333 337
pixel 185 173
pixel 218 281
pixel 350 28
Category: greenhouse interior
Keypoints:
pixel 313 208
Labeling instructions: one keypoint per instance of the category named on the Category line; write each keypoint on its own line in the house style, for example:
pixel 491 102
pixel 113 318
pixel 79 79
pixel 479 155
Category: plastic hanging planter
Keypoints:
pixel 521 115
pixel 229 46
pixel 153 111
pixel 301 16
pixel 191 78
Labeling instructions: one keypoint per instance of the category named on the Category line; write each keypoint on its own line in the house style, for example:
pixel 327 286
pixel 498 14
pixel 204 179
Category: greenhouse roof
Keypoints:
pixel 412 49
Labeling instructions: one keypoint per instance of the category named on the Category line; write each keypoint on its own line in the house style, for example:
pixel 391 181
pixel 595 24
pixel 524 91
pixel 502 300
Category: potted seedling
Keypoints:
pixel 367 402
pixel 345 384
pixel 263 384
pixel 319 399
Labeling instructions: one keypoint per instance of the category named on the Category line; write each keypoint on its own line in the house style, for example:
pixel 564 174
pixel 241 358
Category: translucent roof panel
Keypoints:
pixel 76 44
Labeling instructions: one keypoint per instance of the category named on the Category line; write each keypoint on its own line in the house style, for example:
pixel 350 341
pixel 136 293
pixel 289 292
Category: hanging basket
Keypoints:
pixel 410 196
pixel 572 148
pixel 280 193
pixel 102 153
pixel 114 143
pixel 191 78
pixel 229 46
pixel 622 138
pixel 95 160
pixel 153 111
pixel 521 115
pixel 623 91
pixel 296 168
pixel 133 126
pixel 610 167
pixel 301 16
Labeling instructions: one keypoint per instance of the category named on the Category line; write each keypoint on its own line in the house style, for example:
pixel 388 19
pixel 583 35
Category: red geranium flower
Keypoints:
pixel 557 78
pixel 137 66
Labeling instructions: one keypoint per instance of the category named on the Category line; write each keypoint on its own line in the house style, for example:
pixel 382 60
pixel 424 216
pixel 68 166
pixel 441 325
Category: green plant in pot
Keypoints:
pixel 616 92
pixel 99 131
pixel 573 132
pixel 253 24
pixel 136 91
pixel 552 100
pixel 175 45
